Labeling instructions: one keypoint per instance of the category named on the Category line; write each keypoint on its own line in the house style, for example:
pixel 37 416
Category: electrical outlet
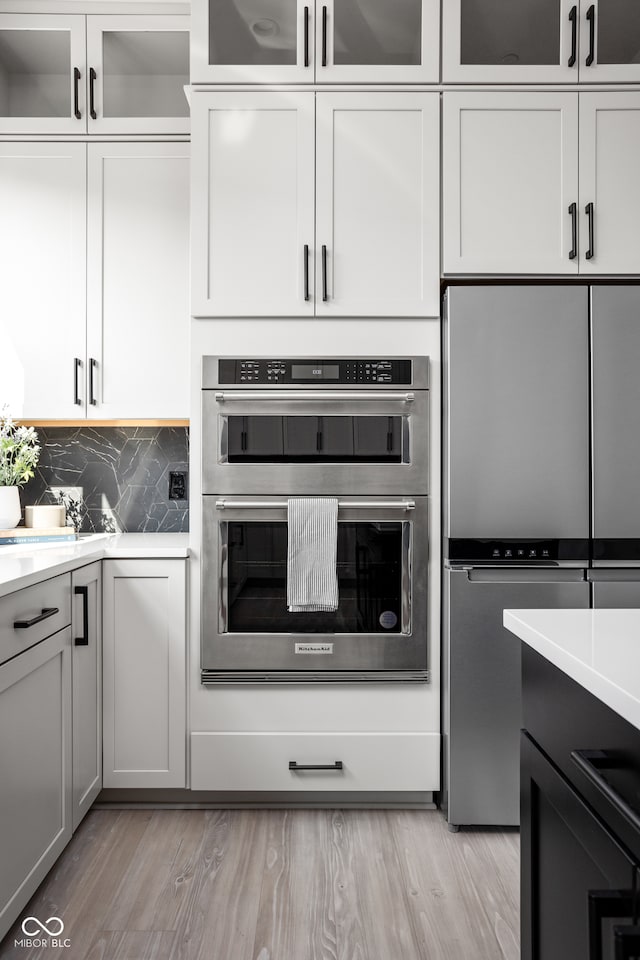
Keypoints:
pixel 178 485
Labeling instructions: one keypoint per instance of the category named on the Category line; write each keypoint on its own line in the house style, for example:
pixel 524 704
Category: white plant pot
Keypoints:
pixel 9 507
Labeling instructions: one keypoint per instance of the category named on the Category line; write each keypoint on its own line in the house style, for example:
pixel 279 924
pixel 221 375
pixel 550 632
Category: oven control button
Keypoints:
pixel 388 619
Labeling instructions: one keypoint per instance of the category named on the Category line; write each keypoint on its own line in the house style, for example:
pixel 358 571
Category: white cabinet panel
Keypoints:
pixel 377 204
pixel 609 150
pixel 86 663
pixel 510 172
pixel 144 681
pixel 252 204
pixel 43 288
pixel 138 249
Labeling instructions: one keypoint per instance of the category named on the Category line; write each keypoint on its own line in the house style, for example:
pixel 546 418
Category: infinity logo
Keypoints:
pixel 53 931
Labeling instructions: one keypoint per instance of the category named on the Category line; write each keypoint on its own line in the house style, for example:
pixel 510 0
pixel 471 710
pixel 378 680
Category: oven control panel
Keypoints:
pixel 329 372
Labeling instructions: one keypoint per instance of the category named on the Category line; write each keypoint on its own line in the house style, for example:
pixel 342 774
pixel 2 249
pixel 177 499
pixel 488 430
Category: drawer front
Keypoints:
pixel 370 761
pixel 29 604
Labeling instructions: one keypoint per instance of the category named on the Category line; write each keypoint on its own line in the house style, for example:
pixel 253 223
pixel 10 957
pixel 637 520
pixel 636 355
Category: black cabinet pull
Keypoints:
pixel 324 36
pixel 315 766
pixel 306 271
pixel 92 366
pixel 76 105
pixel 627 942
pixel 46 613
pixel 306 36
pixel 591 251
pixel 83 592
pixel 590 762
pixel 603 905
pixel 77 365
pixel 573 17
pixel 92 107
pixel 573 212
pixel 325 295
pixel 591 17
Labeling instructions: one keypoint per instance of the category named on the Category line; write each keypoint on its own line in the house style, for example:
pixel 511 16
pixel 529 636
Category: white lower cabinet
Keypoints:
pixel 86 664
pixel 144 675
pixel 321 761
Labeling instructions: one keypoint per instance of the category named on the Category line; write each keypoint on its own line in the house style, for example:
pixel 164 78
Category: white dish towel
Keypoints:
pixel 312 578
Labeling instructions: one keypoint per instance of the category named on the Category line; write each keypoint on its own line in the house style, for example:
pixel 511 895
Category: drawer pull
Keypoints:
pixel 83 592
pixel 591 762
pixel 46 613
pixel 315 766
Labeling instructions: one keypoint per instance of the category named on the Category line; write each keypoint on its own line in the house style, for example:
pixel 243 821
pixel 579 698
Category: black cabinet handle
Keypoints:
pixel 46 613
pixel 606 904
pixel 591 17
pixel 591 251
pixel 324 36
pixel 306 36
pixel 315 766
pixel 306 271
pixel 92 366
pixel 325 295
pixel 76 105
pixel 573 213
pixel 590 762
pixel 92 107
pixel 573 17
pixel 83 592
pixel 77 365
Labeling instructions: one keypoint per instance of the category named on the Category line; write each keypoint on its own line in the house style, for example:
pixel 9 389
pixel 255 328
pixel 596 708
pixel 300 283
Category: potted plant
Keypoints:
pixel 19 453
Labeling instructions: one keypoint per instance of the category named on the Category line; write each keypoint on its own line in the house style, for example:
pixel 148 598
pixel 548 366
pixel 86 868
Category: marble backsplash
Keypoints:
pixel 112 479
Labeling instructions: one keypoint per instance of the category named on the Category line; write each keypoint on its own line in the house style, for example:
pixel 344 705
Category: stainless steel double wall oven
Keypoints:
pixel 351 428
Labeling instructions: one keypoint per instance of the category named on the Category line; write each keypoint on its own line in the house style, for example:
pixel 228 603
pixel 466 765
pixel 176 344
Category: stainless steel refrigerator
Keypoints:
pixel 516 515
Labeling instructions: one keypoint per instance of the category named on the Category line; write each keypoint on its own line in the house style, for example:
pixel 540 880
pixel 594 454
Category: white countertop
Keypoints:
pixel 599 649
pixel 24 564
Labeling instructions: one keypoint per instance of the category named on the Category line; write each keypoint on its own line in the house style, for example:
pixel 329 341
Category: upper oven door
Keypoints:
pixel 369 441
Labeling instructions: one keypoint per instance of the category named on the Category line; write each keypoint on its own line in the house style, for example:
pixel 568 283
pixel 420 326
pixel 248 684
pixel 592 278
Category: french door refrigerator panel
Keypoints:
pixel 482 704
pixel 517 414
pixel 615 589
pixel 615 330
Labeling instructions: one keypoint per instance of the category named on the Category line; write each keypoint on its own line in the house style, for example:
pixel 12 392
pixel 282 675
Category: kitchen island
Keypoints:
pixel 580 782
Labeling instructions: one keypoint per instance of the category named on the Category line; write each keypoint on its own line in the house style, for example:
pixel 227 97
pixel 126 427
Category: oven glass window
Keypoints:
pixel 370 561
pixel 356 439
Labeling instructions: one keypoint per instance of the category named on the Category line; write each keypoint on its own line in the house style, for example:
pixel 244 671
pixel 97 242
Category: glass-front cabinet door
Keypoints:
pixel 610 40
pixel 42 74
pixel 137 69
pixel 496 41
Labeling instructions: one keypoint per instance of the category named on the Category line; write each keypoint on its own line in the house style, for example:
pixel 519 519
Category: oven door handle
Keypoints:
pixel 342 504
pixel 226 396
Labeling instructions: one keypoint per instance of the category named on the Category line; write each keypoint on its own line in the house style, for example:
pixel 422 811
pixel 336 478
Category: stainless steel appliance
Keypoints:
pixel 355 429
pixel 517 516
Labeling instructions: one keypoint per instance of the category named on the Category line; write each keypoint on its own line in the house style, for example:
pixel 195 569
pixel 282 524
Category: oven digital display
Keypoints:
pixel 327 371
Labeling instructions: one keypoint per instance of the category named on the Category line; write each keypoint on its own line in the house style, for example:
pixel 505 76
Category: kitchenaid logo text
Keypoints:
pixel 33 928
pixel 314 648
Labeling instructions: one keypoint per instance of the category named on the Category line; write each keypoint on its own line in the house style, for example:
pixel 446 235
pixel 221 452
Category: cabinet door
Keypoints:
pixel 510 174
pixel 86 663
pixel 253 198
pixel 506 42
pixel 42 292
pixel 138 270
pixel 609 40
pixel 144 683
pixel 42 74
pixel 377 204
pixel 609 148
pixel 379 41
pixel 252 41
pixel 137 68
pixel 35 759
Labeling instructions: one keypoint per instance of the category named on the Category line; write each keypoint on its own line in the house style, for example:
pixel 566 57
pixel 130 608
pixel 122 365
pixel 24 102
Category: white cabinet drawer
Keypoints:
pixel 34 604
pixel 260 761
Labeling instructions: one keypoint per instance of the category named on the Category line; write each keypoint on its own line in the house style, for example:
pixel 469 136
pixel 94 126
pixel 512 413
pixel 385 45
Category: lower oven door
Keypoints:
pixel 378 632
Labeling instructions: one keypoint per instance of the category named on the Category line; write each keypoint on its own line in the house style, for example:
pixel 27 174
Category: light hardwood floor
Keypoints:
pixel 280 885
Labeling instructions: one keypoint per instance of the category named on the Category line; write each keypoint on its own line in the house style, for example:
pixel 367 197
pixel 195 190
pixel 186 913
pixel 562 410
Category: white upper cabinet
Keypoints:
pixel 510 183
pixel 609 40
pixel 502 41
pixel 609 183
pixel 75 74
pixel 293 41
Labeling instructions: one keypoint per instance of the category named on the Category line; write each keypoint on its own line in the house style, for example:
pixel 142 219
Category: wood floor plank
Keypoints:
pixel 296 915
